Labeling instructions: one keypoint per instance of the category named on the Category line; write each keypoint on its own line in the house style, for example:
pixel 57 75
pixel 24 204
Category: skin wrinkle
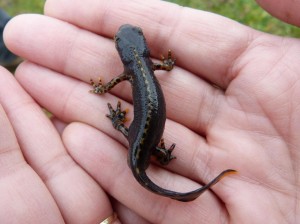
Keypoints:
pixel 72 47
pixel 273 68
pixel 292 153
pixel 161 216
pixel 226 81
pixel 163 42
pixel 57 166
pixel 266 112
pixel 297 206
pixel 198 160
pixel 269 186
pixel 7 154
pixel 216 104
pixel 194 97
pixel 15 165
pixel 236 68
pixel 268 136
pixel 101 20
pixel 296 169
pixel 198 121
pixel 233 73
pixel 280 208
pixel 111 185
pixel 169 25
pixel 68 96
pixel 13 116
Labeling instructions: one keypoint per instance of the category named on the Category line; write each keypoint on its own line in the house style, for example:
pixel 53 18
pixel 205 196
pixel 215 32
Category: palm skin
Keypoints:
pixel 232 102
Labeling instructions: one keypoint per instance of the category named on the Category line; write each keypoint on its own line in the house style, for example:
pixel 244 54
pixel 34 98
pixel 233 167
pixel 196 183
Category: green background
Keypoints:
pixel 244 11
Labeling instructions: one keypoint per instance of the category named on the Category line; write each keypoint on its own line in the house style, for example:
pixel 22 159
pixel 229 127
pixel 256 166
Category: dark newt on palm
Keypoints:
pixel 145 133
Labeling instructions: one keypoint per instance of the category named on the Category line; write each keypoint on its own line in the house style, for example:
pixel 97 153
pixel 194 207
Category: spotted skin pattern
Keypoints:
pixel 145 132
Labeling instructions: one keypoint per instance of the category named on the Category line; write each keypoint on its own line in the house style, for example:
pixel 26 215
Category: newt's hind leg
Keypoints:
pixel 118 118
pixel 163 155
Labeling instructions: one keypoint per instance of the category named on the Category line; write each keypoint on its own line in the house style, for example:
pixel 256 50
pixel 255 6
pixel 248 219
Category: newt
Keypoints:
pixel 145 132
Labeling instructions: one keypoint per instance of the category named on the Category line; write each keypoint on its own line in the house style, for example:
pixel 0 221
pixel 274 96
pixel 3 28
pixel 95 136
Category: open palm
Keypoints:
pixel 232 102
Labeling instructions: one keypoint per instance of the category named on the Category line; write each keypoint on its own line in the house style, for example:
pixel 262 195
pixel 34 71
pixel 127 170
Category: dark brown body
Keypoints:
pixel 146 130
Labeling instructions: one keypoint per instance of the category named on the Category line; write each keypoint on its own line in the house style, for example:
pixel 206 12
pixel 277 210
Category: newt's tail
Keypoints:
pixel 188 196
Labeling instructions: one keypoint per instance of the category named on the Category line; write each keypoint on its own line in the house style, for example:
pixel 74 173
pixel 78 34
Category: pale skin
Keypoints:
pixel 232 102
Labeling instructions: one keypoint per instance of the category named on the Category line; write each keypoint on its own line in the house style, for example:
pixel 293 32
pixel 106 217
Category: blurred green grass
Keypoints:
pixel 244 11
pixel 247 12
pixel 14 7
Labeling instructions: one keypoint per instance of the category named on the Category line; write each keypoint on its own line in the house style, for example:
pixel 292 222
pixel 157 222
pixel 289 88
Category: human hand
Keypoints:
pixel 249 123
pixel 39 181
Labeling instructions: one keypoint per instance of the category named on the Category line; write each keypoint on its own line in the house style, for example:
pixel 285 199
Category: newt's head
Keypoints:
pixel 129 41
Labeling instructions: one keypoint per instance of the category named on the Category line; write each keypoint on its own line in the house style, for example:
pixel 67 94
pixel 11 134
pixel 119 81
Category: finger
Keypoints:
pixel 105 159
pixel 197 38
pixel 287 11
pixel 44 151
pixel 67 99
pixel 65 50
pixel 127 215
pixel 24 197
pixel 209 51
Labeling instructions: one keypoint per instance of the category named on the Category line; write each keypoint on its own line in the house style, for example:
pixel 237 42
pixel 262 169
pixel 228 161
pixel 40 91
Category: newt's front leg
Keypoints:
pixel 166 64
pixel 117 117
pixel 99 88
